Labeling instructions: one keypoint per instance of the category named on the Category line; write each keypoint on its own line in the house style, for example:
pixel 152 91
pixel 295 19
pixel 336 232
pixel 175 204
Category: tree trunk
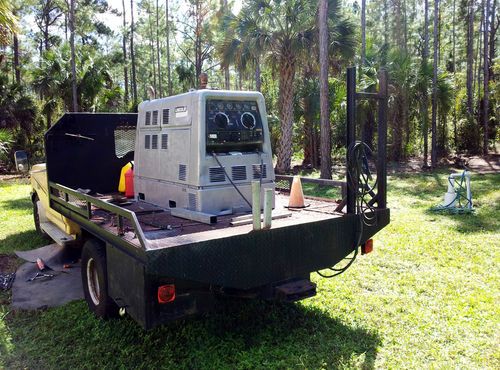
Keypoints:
pixel 158 61
pixel 455 132
pixel 17 70
pixel 258 81
pixel 385 47
pixel 434 86
pixel 169 78
pixel 486 98
pixel 326 146
pixel 73 57
pixel 197 45
pixel 152 48
pixel 425 108
pixel 287 75
pixel 308 144
pixel 492 45
pixel 227 80
pixel 132 56
pixel 363 33
pixel 124 48
pixel 470 58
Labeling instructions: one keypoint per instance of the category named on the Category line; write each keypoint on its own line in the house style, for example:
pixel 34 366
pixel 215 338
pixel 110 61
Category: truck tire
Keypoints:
pixel 94 280
pixel 36 216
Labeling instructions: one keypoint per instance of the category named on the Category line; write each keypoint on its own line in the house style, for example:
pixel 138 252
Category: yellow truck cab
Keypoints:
pixel 47 221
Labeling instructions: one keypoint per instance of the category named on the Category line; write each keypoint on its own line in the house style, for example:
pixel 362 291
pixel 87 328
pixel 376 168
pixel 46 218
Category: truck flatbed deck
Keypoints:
pixel 162 230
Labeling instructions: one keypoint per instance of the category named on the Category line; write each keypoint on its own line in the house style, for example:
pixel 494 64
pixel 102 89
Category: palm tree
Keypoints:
pixel 434 86
pixel 8 22
pixel 283 31
pixel 48 80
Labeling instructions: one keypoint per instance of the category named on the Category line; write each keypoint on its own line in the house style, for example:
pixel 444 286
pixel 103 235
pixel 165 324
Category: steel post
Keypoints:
pixel 351 136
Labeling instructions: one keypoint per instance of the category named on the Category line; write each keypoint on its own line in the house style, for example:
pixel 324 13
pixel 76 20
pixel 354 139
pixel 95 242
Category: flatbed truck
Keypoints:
pixel 138 257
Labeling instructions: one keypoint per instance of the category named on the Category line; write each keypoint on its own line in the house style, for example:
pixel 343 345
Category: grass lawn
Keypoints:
pixel 427 297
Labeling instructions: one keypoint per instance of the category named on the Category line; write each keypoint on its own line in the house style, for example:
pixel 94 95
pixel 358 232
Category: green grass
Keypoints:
pixel 427 297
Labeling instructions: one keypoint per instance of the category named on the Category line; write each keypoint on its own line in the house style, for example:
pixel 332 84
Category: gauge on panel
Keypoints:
pixel 221 120
pixel 248 120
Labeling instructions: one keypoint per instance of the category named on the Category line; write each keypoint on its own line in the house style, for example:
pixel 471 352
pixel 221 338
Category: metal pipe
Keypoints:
pixel 351 134
pixel 268 208
pixel 256 204
pixel 382 141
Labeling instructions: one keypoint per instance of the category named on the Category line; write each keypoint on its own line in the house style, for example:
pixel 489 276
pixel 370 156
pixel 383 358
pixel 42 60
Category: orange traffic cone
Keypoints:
pixel 296 194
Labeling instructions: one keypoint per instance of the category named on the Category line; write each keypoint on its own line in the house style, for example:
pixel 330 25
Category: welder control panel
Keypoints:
pixel 233 125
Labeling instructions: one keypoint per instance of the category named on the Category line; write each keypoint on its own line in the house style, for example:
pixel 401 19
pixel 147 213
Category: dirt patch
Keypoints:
pixel 9 263
pixel 14 177
pixel 475 164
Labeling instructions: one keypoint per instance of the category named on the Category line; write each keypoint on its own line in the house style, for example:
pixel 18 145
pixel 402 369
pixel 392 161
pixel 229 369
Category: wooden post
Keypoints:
pixel 256 204
pixel 268 208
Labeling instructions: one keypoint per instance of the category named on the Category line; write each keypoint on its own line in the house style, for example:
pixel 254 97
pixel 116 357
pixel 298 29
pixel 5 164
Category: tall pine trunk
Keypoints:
pixel 434 86
pixel 455 131
pixel 326 146
pixel 363 33
pixel 227 80
pixel 470 59
pixel 73 56
pixel 169 78
pixel 492 45
pixel 486 69
pixel 158 61
pixel 152 48
pixel 124 48
pixel 425 99
pixel 132 55
pixel 17 69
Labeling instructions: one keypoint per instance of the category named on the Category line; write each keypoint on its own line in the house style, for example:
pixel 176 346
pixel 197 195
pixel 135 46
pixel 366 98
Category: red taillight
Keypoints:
pixel 367 247
pixel 166 293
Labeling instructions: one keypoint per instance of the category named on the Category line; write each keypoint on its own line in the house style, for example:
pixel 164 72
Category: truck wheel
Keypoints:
pixel 94 280
pixel 36 216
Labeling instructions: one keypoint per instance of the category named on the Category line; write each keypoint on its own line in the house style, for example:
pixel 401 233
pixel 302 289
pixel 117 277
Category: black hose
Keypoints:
pixel 359 176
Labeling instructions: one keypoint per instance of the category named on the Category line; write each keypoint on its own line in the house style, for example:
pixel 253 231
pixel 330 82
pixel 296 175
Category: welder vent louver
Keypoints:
pixel 182 172
pixel 164 141
pixel 192 201
pixel 166 116
pixel 256 171
pixel 155 117
pixel 216 174
pixel 148 118
pixel 239 173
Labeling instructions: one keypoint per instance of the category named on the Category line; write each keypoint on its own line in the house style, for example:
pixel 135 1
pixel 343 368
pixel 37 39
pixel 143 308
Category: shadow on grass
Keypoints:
pixel 243 334
pixel 479 221
pixel 22 241
pixel 16 204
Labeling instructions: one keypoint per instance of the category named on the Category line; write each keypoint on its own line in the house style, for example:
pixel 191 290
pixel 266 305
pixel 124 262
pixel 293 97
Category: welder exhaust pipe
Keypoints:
pixel 268 208
pixel 256 204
